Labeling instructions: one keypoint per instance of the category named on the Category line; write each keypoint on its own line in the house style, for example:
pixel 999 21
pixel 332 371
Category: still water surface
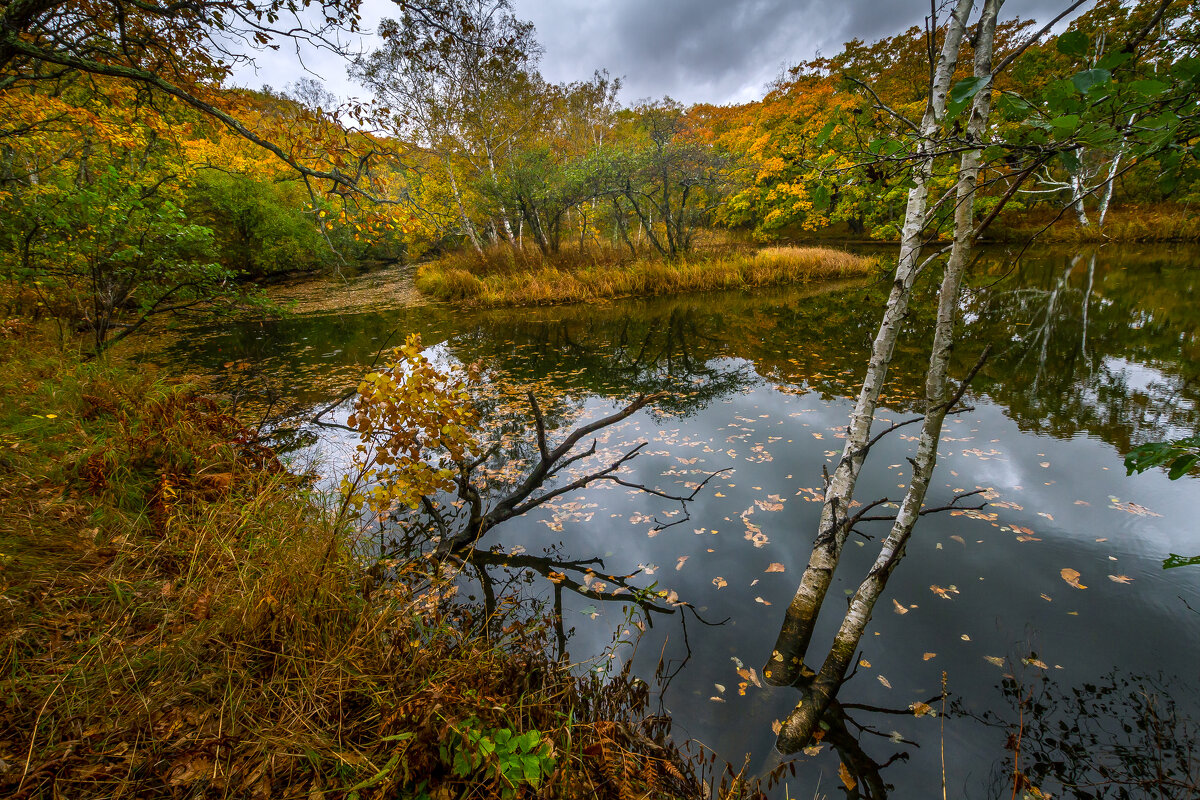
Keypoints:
pixel 1095 352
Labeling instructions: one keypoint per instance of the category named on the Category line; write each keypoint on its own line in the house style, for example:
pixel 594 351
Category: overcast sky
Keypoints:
pixel 717 51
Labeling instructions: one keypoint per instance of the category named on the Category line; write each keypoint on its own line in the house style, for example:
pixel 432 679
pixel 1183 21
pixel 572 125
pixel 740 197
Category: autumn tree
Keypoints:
pixel 462 99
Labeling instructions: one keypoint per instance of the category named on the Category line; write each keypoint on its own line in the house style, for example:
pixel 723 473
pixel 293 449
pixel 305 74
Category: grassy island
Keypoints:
pixel 505 276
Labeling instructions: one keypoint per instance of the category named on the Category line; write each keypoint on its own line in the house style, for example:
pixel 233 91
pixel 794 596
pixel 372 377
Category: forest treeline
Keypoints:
pixel 123 197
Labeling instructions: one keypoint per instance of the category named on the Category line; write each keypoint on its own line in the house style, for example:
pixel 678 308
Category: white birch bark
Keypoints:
pixel 787 659
pixel 802 722
pixel 1087 302
pixel 1107 192
pixel 1078 192
pixel 468 227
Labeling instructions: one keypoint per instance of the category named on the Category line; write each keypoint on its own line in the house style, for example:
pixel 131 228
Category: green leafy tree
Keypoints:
pixel 114 253
pixel 262 225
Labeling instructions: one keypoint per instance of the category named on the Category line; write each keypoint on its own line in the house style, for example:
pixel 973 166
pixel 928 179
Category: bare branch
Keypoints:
pixel 885 107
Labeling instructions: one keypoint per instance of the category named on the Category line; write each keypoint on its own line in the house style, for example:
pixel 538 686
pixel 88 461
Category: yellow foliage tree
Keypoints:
pixel 416 423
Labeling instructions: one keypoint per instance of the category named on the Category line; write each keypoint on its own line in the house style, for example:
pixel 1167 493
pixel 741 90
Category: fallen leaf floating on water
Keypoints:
pixel 847 779
pixel 720 687
pixel 899 609
pixel 958 539
pixel 864 663
pixel 776 727
pixel 1132 508
pixel 920 709
pixel 928 656
pixel 764 602
pixel 965 638
pixel 1035 662
pixel 1120 578
pixel 774 566
pixel 720 582
pixel 884 681
pixel 716 699
pixel 997 660
pixel 679 563
pixel 812 749
pixel 1071 576
pixel 748 673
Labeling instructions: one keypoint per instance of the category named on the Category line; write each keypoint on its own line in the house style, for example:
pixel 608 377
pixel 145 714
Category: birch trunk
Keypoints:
pixel 1087 302
pixel 508 233
pixel 1106 194
pixel 468 227
pixel 802 722
pixel 787 659
pixel 1078 192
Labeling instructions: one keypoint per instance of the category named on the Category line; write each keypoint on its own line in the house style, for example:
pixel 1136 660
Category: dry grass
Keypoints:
pixel 181 619
pixel 1163 223
pixel 526 279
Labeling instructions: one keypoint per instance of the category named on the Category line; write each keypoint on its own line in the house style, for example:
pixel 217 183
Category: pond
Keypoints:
pixel 1095 351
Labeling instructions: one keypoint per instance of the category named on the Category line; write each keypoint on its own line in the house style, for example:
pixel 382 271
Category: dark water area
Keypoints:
pixel 1095 351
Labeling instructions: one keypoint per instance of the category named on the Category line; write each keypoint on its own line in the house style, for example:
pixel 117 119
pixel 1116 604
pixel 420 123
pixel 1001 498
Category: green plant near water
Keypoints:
pixel 513 759
pixel 1178 457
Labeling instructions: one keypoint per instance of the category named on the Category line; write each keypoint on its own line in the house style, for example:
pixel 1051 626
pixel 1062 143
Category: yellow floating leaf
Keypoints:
pixel 1071 576
pixel 774 566
pixel 1120 578
pixel 899 609
pixel 884 681
pixel 847 779
pixel 928 656
pixel 920 709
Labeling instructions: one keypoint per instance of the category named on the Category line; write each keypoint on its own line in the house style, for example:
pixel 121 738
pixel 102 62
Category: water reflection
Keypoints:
pixel 1096 351
pixel 1122 736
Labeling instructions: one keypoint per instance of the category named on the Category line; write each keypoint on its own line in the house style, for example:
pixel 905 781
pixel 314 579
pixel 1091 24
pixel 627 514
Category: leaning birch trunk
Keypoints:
pixel 468 226
pixel 504 219
pixel 1106 194
pixel 787 659
pixel 802 722
pixel 1078 192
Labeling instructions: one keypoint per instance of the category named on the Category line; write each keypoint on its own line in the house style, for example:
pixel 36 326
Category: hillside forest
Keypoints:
pixel 136 182
pixel 277 364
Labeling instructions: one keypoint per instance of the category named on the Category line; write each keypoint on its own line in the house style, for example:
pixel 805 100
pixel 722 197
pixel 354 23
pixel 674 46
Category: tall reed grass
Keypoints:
pixel 509 277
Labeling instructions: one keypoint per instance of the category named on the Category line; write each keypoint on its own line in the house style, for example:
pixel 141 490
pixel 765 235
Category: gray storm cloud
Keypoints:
pixel 715 51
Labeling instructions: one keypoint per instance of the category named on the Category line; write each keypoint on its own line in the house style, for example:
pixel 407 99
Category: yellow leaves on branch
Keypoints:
pixel 415 422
